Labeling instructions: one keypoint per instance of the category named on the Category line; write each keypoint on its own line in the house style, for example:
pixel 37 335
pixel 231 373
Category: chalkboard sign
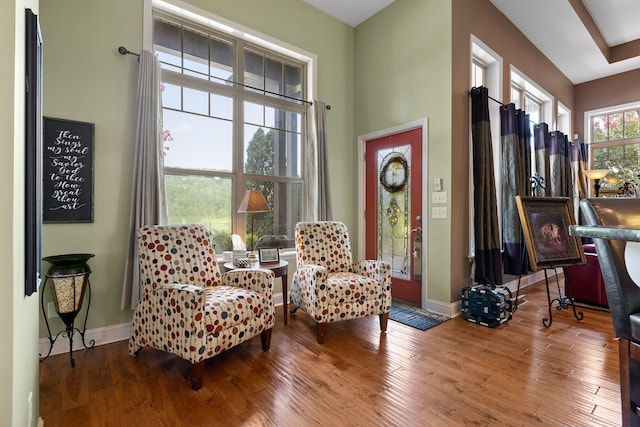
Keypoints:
pixel 67 171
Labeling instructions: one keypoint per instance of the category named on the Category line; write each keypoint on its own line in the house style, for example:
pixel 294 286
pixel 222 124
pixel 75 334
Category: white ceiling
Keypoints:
pixel 351 12
pixel 553 26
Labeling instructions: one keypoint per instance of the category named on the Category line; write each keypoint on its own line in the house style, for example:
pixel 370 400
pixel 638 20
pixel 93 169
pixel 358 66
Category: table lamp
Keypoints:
pixel 596 175
pixel 252 202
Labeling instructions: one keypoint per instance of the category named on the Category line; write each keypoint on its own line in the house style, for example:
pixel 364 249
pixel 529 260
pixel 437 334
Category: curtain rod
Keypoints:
pixel 506 105
pixel 124 51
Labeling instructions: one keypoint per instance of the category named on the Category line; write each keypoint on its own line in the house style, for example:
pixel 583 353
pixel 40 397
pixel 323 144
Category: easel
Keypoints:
pixel 563 301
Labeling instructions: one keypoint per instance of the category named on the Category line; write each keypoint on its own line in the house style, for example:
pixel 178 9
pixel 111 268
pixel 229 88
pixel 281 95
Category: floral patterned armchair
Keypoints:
pixel 188 308
pixel 329 286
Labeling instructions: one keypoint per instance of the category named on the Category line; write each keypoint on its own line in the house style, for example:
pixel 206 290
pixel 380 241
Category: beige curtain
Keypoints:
pixel 318 199
pixel 148 204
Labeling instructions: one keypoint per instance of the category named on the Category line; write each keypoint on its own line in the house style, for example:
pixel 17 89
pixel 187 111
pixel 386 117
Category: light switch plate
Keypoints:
pixel 439 197
pixel 437 185
pixel 439 212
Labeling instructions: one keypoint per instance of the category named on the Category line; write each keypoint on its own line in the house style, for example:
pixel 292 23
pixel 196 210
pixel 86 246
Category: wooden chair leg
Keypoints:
pixel 384 319
pixel 320 327
pixel 265 338
pixel 196 372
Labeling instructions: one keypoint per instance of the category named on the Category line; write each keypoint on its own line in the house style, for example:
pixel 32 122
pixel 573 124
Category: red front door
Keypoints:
pixel 394 209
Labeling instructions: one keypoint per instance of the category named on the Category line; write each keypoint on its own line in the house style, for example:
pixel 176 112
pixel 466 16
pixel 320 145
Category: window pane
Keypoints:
pixel 623 161
pixel 196 52
pixel 171 96
pixel 271 152
pixel 631 124
pixel 533 108
pixel 253 70
pixel 196 101
pixel 477 75
pixel 221 59
pixel 284 200
pixel 167 39
pixel 293 81
pixel 221 106
pixel 274 76
pixel 253 113
pixel 199 142
pixel 600 128
pixel 202 200
pixel 615 126
pixel 516 96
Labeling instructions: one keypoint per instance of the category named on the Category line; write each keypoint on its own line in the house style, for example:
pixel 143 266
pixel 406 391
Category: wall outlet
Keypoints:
pixel 439 197
pixel 439 212
pixel 51 310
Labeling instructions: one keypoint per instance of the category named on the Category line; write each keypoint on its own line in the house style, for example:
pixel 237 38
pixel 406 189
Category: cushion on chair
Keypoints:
pixel 351 287
pixel 227 306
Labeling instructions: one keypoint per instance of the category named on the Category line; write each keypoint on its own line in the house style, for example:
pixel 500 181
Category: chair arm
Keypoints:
pixel 257 280
pixel 306 284
pixel 311 274
pixel 181 318
pixel 378 270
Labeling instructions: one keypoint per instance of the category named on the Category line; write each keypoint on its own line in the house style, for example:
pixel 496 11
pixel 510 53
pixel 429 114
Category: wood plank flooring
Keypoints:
pixel 456 373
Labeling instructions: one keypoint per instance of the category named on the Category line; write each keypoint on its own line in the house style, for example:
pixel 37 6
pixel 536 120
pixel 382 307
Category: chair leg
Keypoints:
pixel 265 338
pixel 320 327
pixel 384 319
pixel 196 372
pixel 628 351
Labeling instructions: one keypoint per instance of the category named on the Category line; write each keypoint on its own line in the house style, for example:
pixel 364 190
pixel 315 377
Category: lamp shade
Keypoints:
pixel 596 173
pixel 253 201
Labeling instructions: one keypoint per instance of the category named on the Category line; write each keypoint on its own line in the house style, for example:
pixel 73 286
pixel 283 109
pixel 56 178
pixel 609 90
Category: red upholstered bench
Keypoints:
pixel 586 280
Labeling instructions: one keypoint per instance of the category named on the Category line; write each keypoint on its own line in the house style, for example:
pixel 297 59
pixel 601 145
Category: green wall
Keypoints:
pixel 403 73
pixel 18 314
pixel 86 79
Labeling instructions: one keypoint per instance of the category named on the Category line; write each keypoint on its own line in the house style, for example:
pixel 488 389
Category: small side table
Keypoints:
pixel 280 269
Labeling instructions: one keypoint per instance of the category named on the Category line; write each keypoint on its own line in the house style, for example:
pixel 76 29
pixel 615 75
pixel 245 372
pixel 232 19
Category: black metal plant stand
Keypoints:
pixel 69 279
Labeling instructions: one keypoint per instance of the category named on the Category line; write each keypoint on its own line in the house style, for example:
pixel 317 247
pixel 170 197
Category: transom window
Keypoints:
pixel 233 120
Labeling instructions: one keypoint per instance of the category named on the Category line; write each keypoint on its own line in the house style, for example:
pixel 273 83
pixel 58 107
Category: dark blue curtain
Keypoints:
pixel 515 139
pixel 488 263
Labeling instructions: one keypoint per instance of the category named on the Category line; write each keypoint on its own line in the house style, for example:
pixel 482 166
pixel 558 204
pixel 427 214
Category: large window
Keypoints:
pixel 614 137
pixel 233 121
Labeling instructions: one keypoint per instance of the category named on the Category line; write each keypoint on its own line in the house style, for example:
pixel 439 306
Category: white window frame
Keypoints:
pixel 588 116
pixel 188 12
pixel 536 92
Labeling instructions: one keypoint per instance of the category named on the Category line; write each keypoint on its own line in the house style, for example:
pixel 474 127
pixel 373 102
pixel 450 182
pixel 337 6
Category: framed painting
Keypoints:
pixel 545 224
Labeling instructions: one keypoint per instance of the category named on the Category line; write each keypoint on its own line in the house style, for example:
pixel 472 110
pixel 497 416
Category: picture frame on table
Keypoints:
pixel 545 224
pixel 269 255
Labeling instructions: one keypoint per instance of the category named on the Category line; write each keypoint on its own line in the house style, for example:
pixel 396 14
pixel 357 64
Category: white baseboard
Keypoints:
pixel 105 335
pixel 101 336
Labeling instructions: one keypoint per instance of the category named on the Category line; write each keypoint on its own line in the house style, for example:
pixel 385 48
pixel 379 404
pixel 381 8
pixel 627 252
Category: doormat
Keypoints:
pixel 415 317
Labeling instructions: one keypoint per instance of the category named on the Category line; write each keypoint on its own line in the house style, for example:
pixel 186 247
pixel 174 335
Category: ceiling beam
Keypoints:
pixel 624 51
pixel 611 54
pixel 592 28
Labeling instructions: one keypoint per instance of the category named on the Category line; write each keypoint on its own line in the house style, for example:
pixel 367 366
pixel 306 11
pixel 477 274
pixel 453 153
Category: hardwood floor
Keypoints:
pixel 456 373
